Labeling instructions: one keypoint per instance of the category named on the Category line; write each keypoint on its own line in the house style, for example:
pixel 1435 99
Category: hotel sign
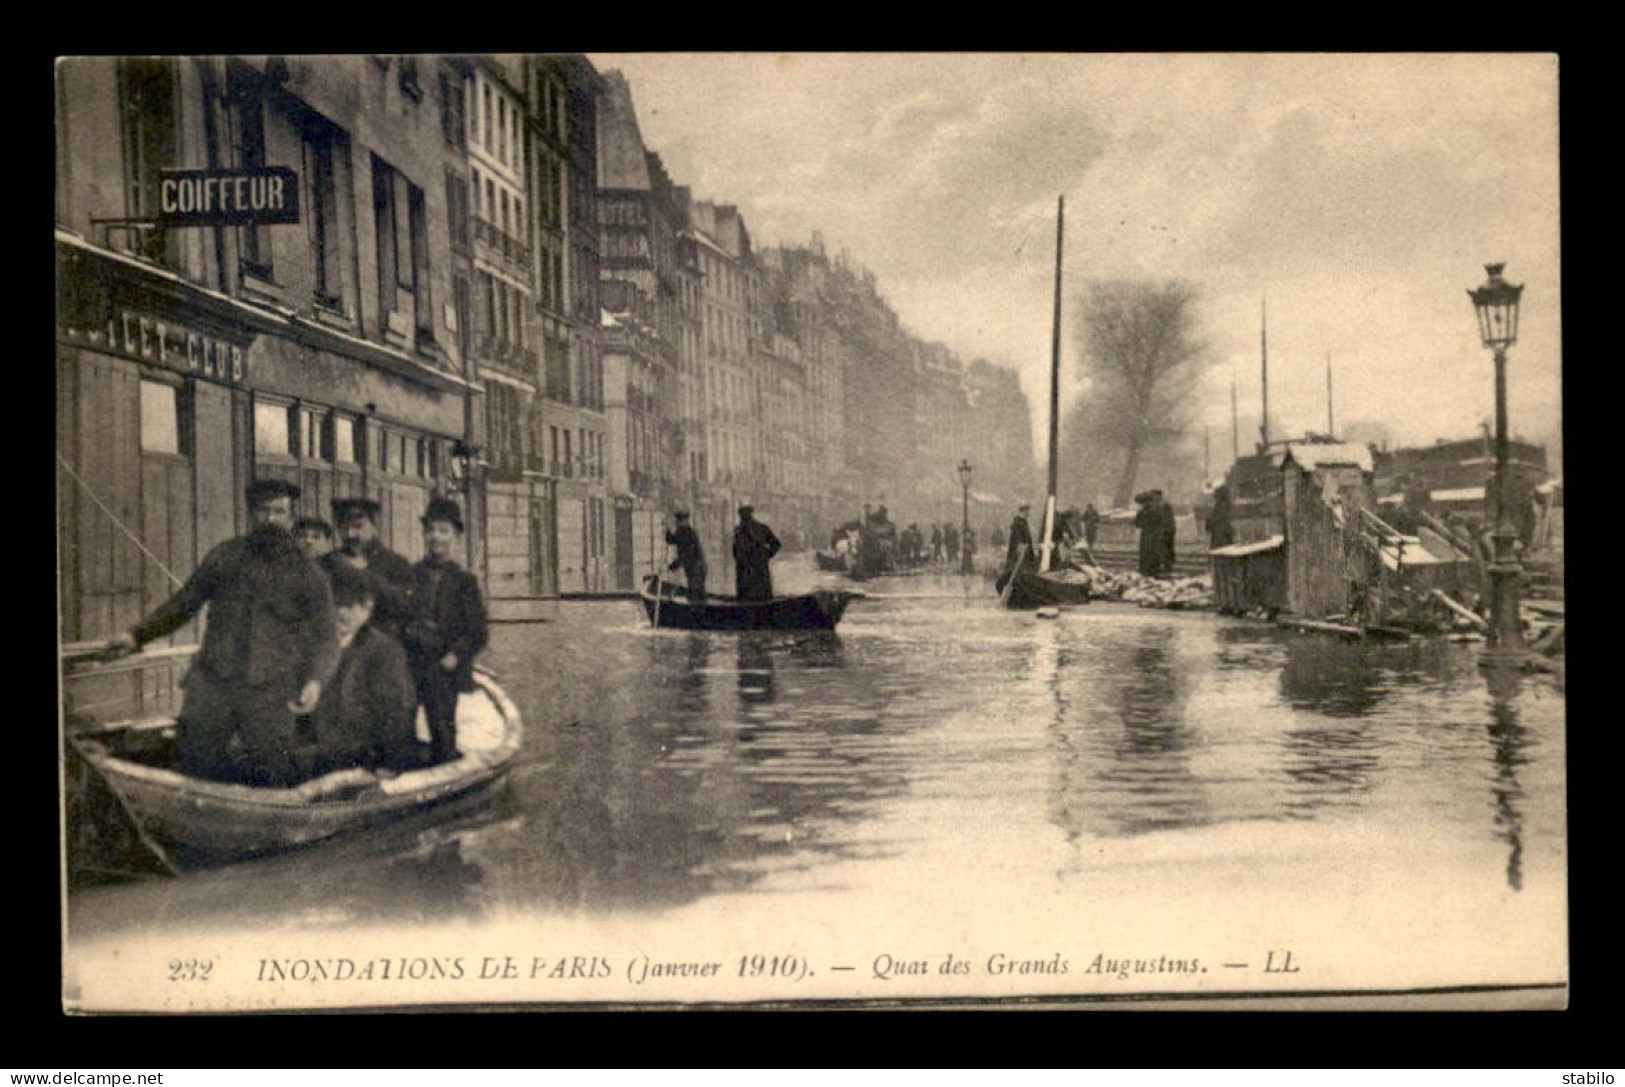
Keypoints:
pixel 268 194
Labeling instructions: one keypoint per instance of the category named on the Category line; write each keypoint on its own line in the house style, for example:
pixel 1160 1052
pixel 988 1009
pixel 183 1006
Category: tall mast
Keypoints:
pixel 1235 423
pixel 1054 394
pixel 1331 430
pixel 1264 351
pixel 1055 354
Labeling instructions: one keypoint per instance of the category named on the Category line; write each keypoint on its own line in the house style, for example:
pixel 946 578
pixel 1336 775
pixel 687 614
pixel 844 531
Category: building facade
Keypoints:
pixel 191 360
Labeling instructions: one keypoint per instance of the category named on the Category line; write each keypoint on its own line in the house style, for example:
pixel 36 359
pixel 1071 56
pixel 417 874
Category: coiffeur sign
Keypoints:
pixel 267 194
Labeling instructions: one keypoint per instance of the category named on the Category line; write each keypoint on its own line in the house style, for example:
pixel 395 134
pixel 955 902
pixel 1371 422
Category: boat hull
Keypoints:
pixel 213 821
pixel 819 610
pixel 1034 590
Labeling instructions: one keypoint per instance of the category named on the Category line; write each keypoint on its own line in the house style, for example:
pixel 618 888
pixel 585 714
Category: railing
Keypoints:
pixel 505 245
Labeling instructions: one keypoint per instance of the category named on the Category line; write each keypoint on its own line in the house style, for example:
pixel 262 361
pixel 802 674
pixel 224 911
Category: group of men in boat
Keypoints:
pixel 754 546
pixel 317 659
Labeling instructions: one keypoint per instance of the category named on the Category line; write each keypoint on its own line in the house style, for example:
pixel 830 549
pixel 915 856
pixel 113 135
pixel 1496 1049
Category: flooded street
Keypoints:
pixel 941 774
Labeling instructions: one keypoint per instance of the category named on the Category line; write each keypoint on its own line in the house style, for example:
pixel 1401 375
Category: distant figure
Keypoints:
pixel 1021 539
pixel 367 713
pixel 1149 521
pixel 1091 525
pixel 950 542
pixel 268 648
pixel 447 626
pixel 936 543
pixel 754 547
pixel 1156 524
pixel 313 536
pixel 968 546
pixel 1220 532
pixel 690 556
pixel 995 537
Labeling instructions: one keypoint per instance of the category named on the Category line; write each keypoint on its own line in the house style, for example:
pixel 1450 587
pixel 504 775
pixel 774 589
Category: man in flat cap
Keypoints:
pixel 446 626
pixel 390 573
pixel 754 547
pixel 690 556
pixel 267 650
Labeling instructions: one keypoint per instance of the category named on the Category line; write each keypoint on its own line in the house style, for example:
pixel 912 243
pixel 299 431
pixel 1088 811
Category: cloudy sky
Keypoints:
pixel 1361 195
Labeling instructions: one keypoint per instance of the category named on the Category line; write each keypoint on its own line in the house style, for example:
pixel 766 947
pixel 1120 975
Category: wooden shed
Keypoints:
pixel 1250 576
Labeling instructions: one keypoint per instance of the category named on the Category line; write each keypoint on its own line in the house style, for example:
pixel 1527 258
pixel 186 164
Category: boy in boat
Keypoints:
pixel 446 627
pixel 690 556
pixel 368 711
pixel 390 573
pixel 267 650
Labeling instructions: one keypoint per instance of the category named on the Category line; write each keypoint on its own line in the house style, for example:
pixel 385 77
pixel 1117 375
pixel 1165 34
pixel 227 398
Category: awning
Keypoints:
pixel 1459 494
pixel 1258 548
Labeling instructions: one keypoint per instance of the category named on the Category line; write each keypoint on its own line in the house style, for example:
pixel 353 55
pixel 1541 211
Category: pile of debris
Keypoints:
pixel 1135 588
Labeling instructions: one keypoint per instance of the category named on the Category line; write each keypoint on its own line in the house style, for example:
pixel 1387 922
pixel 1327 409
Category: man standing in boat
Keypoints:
pixel 690 556
pixel 267 650
pixel 446 626
pixel 390 574
pixel 754 547
pixel 1021 540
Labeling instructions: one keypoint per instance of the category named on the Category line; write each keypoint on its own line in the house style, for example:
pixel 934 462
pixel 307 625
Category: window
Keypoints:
pixel 490 139
pixel 271 430
pixel 502 129
pixel 345 449
pixel 308 437
pixel 553 436
pixel 148 100
pixel 453 123
pixel 256 240
pixel 422 302
pixel 403 244
pixel 160 418
pixel 569 468
pixel 457 210
pixel 323 154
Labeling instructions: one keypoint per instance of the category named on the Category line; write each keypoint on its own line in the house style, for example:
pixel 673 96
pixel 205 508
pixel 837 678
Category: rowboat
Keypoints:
pixel 214 821
pixel 1028 588
pixel 668 606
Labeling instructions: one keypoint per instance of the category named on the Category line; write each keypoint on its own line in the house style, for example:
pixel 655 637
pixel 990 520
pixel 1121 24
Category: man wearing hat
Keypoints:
pixel 690 555
pixel 446 626
pixel 1021 541
pixel 391 574
pixel 1155 521
pixel 267 650
pixel 754 547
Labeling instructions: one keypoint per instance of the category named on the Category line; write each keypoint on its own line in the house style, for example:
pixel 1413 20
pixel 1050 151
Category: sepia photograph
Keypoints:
pixel 810 530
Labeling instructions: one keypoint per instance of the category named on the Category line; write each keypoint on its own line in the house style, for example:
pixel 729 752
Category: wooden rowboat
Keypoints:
pixel 817 610
pixel 213 821
pixel 1027 588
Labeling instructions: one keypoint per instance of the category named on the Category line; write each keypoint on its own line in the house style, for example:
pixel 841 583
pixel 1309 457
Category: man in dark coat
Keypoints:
pixel 1149 521
pixel 390 573
pixel 1091 525
pixel 367 715
pixel 1021 540
pixel 1169 527
pixel 950 542
pixel 754 547
pixel 690 555
pixel 446 626
pixel 1220 532
pixel 268 648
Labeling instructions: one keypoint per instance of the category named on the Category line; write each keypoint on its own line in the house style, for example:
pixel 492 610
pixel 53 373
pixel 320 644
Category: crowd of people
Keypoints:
pixel 316 658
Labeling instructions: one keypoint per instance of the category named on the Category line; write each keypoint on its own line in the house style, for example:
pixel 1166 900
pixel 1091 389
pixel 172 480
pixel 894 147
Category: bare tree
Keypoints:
pixel 1141 359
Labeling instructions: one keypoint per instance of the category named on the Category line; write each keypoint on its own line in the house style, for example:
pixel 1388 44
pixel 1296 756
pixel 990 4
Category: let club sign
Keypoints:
pixel 267 194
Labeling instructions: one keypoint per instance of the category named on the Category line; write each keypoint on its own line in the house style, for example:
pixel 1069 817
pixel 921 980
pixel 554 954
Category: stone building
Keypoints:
pixel 192 359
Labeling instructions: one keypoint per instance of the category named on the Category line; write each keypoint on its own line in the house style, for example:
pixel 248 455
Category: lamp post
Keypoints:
pixel 964 525
pixel 1497 305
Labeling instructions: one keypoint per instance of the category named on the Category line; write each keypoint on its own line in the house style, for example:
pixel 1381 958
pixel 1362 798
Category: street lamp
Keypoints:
pixel 1497 305
pixel 964 526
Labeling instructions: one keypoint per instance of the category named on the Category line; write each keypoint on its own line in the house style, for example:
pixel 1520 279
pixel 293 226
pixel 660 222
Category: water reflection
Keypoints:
pixel 1128 743
pixel 664 767
pixel 1509 740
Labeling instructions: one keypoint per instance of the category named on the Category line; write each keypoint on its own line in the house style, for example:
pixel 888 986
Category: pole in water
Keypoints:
pixel 1264 351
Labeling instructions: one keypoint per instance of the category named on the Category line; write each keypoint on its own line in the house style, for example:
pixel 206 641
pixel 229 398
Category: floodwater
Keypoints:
pixel 943 763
